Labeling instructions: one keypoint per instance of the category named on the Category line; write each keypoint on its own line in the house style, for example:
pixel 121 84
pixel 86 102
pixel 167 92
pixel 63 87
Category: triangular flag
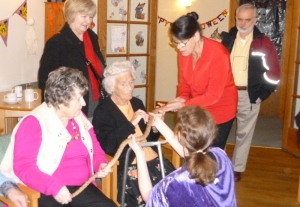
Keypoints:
pixel 4 30
pixel 22 10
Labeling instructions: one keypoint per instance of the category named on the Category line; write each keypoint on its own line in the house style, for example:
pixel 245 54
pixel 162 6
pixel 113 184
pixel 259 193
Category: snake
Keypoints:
pixel 119 151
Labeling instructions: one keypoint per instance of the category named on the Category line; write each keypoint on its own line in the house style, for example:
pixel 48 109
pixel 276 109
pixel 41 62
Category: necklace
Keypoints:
pixel 75 130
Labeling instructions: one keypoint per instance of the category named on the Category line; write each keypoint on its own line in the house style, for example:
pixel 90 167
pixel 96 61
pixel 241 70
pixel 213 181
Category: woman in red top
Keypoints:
pixel 205 77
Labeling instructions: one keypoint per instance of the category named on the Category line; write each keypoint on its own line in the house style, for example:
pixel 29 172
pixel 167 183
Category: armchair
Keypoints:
pixel 108 184
pixel 32 195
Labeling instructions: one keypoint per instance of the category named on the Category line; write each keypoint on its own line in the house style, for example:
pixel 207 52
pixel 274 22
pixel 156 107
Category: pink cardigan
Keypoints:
pixel 210 84
pixel 73 170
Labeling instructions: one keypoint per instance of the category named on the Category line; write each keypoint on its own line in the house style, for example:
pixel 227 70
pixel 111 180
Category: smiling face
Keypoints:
pixel 123 88
pixel 74 106
pixel 81 23
pixel 245 21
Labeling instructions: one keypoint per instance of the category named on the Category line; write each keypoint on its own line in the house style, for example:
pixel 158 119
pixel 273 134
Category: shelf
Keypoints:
pixel 296 96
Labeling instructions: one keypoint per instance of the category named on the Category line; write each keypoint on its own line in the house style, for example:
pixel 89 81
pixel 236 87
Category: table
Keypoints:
pixel 16 110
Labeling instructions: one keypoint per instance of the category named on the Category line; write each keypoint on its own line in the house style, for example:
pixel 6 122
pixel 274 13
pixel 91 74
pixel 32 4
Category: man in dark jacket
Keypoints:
pixel 256 72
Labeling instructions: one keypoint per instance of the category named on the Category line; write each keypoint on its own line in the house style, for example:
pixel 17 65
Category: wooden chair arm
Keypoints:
pixel 32 196
pixel 109 183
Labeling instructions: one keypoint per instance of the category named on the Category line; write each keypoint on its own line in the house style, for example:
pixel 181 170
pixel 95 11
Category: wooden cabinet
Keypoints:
pixel 54 18
pixel 127 31
pixel 291 76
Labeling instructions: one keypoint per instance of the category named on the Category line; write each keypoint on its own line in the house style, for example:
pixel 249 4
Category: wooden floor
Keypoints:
pixel 270 180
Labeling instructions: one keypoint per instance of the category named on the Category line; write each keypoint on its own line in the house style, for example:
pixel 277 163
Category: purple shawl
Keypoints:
pixel 177 189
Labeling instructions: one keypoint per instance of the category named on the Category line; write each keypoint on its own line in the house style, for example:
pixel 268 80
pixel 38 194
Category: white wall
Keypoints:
pixel 166 56
pixel 16 66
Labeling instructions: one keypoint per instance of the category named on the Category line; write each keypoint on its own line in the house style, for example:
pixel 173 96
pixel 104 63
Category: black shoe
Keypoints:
pixel 237 176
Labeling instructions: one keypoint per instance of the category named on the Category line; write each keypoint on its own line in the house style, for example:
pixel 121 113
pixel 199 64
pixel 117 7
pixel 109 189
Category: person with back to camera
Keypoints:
pixel 120 115
pixel 11 191
pixel 54 149
pixel 256 74
pixel 205 76
pixel 206 176
pixel 72 47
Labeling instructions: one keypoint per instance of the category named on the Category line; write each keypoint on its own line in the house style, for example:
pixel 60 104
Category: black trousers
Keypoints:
pixel 222 135
pixel 90 197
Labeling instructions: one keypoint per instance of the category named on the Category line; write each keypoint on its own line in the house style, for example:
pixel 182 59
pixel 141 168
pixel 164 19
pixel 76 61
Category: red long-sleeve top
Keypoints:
pixel 210 84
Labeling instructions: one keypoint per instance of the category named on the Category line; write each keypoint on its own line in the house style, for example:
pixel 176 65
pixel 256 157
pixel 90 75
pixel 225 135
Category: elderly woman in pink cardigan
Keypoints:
pixel 54 149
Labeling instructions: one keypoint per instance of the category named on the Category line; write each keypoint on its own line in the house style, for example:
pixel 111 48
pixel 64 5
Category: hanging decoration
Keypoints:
pixel 271 19
pixel 204 25
pixel 4 30
pixel 22 11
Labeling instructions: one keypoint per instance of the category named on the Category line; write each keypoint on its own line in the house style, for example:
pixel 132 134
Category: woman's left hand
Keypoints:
pixel 103 173
pixel 138 115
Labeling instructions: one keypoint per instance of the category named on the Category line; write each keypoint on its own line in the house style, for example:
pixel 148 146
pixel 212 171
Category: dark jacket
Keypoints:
pixel 112 127
pixel 263 65
pixel 65 49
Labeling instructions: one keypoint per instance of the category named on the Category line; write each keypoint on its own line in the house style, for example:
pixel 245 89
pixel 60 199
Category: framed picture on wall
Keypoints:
pixel 117 10
pixel 140 65
pixel 116 38
pixel 138 38
pixel 140 93
pixel 139 10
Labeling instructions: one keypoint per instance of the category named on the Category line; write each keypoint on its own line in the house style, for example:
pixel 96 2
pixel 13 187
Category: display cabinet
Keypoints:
pixel 54 18
pixel 127 31
pixel 291 76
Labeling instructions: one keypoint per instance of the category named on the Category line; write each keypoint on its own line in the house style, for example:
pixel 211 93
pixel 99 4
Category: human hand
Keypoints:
pixel 103 172
pixel 156 116
pixel 138 115
pixel 135 146
pixel 175 105
pixel 63 196
pixel 17 197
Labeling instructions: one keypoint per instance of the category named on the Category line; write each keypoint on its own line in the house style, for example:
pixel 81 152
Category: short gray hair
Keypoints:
pixel 113 70
pixel 245 7
pixel 61 85
pixel 73 7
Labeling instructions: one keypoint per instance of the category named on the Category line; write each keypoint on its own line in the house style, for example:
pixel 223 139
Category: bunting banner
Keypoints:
pixel 204 25
pixel 4 30
pixel 22 11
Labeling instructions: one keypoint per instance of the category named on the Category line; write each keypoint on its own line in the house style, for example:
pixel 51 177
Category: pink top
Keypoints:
pixel 210 84
pixel 73 170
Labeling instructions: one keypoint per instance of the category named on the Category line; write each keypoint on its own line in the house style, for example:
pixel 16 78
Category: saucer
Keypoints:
pixel 10 102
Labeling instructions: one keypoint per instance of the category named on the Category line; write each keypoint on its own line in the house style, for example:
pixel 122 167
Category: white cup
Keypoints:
pixel 10 97
pixel 18 90
pixel 30 95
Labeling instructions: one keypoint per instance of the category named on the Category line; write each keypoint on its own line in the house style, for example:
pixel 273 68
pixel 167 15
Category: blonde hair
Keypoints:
pixel 73 7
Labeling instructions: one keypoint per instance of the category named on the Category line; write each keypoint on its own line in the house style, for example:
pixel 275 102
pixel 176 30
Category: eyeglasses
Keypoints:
pixel 181 44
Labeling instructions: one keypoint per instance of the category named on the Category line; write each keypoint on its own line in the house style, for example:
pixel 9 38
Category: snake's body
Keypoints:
pixel 119 151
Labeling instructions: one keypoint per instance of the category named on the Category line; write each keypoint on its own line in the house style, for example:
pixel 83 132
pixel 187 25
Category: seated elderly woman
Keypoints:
pixel 54 149
pixel 120 115
pixel 10 190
